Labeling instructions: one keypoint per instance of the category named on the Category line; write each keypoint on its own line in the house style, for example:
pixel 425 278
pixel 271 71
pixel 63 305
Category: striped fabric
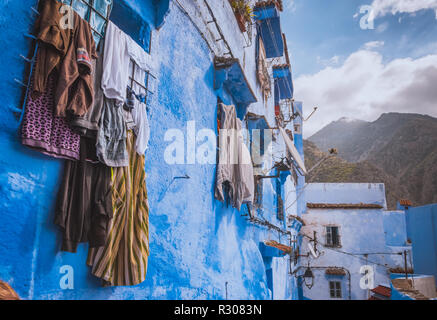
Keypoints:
pixel 123 260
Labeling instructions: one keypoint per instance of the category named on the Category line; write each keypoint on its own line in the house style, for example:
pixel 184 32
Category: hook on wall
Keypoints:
pixel 186 177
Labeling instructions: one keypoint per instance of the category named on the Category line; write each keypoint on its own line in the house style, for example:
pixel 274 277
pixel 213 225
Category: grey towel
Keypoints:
pixel 235 166
pixel 88 125
pixel 111 137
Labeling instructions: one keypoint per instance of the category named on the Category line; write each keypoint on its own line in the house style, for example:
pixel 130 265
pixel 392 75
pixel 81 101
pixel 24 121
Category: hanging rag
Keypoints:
pixel 120 49
pixel 84 204
pixel 262 71
pixel 111 137
pixel 88 124
pixel 43 131
pixel 53 42
pixel 75 88
pixel 139 113
pixel 122 261
pixel 235 167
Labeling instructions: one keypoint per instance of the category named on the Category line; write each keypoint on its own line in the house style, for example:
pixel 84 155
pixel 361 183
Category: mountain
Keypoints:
pixel 402 145
pixel 335 169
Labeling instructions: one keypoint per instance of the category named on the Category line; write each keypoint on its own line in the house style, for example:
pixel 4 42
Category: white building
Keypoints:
pixel 350 241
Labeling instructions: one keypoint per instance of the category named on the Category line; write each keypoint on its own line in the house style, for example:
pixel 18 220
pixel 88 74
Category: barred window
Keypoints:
pixel 96 12
pixel 335 289
pixel 332 237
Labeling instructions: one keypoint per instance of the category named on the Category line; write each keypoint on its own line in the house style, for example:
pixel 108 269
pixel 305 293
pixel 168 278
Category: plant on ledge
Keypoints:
pixel 243 13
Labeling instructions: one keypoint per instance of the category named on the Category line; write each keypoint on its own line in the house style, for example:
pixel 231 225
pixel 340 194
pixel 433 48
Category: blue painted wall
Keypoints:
pixel 298 142
pixel 197 243
pixel 361 232
pixel 395 228
pixel 422 231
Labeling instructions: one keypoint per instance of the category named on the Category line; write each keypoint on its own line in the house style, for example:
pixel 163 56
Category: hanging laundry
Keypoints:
pixel 120 49
pixel 120 53
pixel 138 111
pixel 142 128
pixel 87 9
pixel 262 71
pixel 53 42
pixel 43 131
pixel 111 136
pixel 88 124
pixel 235 168
pixel 84 205
pixel 75 88
pixel 122 261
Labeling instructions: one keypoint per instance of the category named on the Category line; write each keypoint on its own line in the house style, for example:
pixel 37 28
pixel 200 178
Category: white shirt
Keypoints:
pixel 120 49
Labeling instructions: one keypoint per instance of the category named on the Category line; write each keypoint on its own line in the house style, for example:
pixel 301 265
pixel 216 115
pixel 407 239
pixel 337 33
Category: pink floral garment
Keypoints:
pixel 46 133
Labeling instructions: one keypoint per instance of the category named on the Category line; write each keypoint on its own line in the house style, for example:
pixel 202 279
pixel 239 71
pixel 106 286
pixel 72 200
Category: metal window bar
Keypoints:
pixel 32 60
pixel 332 237
pixel 91 9
pixel 329 241
pixel 90 5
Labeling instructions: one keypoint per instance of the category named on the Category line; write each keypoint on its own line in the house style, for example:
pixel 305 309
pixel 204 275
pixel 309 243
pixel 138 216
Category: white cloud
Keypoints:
pixel 373 45
pixel 363 87
pixel 289 6
pixel 382 27
pixel 384 7
pixel 335 60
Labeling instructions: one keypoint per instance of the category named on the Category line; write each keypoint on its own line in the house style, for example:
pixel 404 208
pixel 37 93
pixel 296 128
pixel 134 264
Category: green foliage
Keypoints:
pixel 243 8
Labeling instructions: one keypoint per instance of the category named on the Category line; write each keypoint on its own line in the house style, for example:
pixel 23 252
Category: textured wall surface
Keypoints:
pixel 395 228
pixel 422 231
pixel 361 232
pixel 346 193
pixel 200 248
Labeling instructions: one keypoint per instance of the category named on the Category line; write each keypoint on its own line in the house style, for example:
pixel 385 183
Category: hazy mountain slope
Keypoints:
pixel 403 146
pixel 336 169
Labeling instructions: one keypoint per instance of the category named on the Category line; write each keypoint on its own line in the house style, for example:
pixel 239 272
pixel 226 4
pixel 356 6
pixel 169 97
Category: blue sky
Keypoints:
pixel 327 46
pixel 327 28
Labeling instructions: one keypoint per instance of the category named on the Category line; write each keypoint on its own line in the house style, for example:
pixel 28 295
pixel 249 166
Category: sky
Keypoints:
pixel 361 58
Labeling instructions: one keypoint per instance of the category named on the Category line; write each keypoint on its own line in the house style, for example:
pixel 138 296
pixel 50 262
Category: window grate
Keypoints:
pixel 88 16
pixel 90 4
pixel 332 237
pixel 144 86
pixel 335 289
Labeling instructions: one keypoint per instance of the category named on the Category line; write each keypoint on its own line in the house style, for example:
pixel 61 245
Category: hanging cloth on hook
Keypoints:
pixel 75 88
pixel 88 124
pixel 262 70
pixel 54 41
pixel 120 49
pixel 235 167
pixel 122 261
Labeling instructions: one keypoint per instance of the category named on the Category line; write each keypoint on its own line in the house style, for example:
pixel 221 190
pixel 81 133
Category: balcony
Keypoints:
pixel 284 88
pixel 269 27
pixel 230 75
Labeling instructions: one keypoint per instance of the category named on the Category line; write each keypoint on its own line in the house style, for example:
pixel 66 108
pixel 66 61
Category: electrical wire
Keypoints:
pixel 358 256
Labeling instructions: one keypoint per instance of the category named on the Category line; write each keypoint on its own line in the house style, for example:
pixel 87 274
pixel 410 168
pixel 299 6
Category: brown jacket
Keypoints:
pixel 53 42
pixel 75 89
pixel 88 125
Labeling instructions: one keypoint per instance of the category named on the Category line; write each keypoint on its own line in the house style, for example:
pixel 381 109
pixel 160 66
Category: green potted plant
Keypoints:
pixel 243 13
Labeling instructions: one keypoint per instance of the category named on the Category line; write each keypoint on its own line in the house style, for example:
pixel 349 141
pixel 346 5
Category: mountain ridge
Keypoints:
pixel 402 146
